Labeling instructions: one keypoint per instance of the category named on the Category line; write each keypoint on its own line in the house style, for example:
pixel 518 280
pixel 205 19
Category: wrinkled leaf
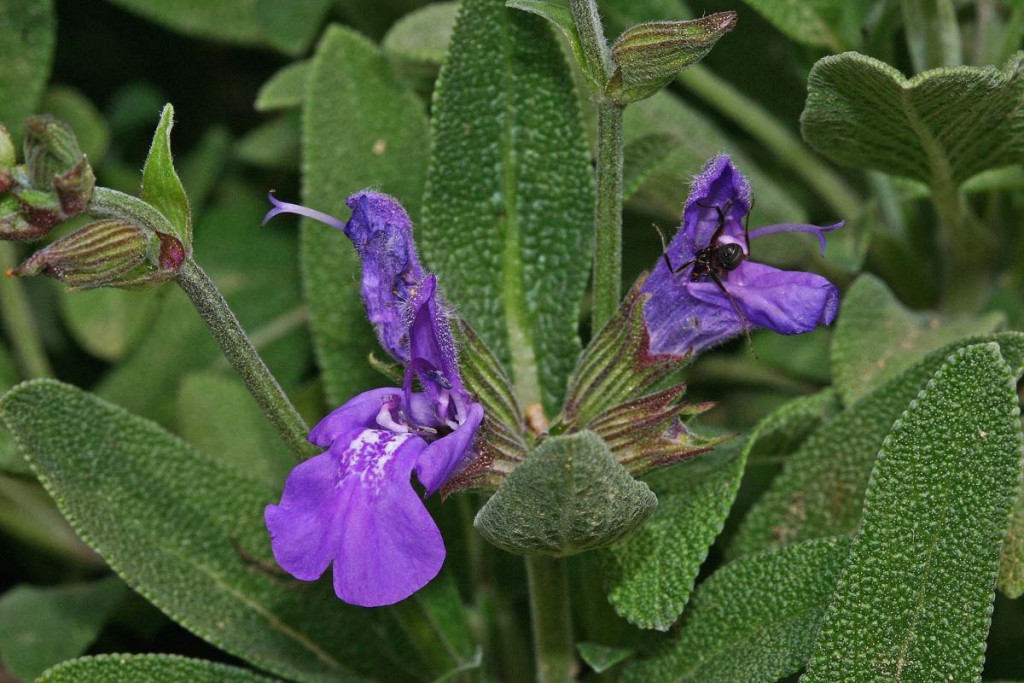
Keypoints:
pixel 27 36
pixel 876 337
pixel 940 127
pixel 187 533
pixel 915 601
pixel 780 433
pixel 755 619
pixel 1011 561
pixel 821 490
pixel 570 495
pixel 40 627
pixel 361 129
pixel 285 89
pixel 161 186
pixel 146 669
pixel 508 208
pixel 561 18
pixel 649 576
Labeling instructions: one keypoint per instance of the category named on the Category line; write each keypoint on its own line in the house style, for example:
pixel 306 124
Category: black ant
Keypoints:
pixel 716 259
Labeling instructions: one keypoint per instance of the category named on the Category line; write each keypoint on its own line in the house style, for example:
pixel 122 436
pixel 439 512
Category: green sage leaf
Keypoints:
pixel 821 490
pixel 940 127
pixel 109 322
pixel 277 144
pixel 229 21
pixel 187 533
pixel 291 26
pixel 831 24
pixel 75 109
pixel 27 37
pixel 508 208
pixel 783 431
pixel 285 89
pixel 161 186
pixel 1011 561
pixel 649 576
pixel 361 128
pixel 40 627
pixel 877 337
pixel 600 658
pixel 147 668
pixel 561 18
pixel 754 619
pixel 422 35
pixel 570 495
pixel 935 513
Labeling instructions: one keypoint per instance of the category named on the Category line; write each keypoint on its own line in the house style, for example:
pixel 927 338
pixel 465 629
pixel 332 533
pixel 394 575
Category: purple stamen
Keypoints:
pixel 815 230
pixel 287 207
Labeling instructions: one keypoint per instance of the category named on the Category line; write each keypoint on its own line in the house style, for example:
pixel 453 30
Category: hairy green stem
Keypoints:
pixel 244 359
pixel 551 618
pixel 768 131
pixel 19 321
pixel 964 248
pixel 608 212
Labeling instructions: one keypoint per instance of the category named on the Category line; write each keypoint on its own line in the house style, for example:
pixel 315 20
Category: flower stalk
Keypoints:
pixel 239 351
pixel 608 212
pixel 551 618
pixel 19 321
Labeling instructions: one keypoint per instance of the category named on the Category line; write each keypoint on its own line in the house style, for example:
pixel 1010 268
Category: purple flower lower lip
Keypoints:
pixel 354 506
pixel 688 311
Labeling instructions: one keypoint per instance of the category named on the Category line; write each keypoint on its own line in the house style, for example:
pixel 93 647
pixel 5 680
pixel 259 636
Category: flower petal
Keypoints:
pixel 442 458
pixel 430 338
pixel 359 412
pixel 354 506
pixel 381 232
pixel 788 302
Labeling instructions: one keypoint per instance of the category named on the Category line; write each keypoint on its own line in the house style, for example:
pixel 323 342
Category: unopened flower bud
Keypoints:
pixel 648 56
pixel 55 163
pixel 105 254
pixel 7 155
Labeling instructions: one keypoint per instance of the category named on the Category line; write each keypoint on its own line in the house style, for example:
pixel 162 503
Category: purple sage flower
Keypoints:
pixel 354 505
pixel 689 311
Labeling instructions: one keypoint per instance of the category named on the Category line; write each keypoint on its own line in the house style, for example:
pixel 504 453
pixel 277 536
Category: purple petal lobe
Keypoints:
pixel 430 338
pixel 442 458
pixel 354 506
pixel 359 412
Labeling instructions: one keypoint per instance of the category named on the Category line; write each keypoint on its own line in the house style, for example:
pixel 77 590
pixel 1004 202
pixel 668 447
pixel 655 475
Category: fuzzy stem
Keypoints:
pixel 243 358
pixel 768 131
pixel 608 213
pixel 965 250
pixel 933 36
pixel 19 321
pixel 551 618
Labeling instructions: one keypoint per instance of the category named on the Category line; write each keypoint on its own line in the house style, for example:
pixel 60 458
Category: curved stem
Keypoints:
pixel 19 321
pixel 551 617
pixel 608 213
pixel 750 116
pixel 243 358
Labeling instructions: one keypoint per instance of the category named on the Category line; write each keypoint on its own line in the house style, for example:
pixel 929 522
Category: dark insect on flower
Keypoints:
pixel 726 294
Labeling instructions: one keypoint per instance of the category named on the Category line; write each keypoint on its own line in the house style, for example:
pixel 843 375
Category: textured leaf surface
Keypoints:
pixel 570 495
pixel 218 415
pixel 1011 561
pixel 256 271
pixel 27 33
pixel 423 34
pixel 361 129
pixel 74 108
pixel 876 337
pixel 600 658
pixel 649 576
pixel 109 322
pixel 161 186
pixel 285 89
pixel 187 533
pixel 755 619
pixel 833 24
pixel 508 209
pixel 40 627
pixel 915 599
pixel 146 669
pixel 821 490
pixel 940 127
pixel 783 431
